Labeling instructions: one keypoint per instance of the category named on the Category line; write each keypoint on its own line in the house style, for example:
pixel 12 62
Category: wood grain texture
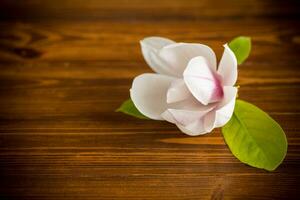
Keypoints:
pixel 65 66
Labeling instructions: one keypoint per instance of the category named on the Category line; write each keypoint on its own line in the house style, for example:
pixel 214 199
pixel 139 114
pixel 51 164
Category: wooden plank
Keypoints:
pixel 65 66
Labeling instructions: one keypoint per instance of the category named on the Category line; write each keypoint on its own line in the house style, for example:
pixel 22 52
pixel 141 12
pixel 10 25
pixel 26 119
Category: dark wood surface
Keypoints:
pixel 65 66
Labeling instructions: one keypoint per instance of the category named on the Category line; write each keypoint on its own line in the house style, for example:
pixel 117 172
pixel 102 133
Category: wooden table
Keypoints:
pixel 65 66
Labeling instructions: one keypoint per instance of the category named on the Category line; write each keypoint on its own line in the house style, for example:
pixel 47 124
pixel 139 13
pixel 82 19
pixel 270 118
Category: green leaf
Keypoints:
pixel 254 137
pixel 129 108
pixel 241 46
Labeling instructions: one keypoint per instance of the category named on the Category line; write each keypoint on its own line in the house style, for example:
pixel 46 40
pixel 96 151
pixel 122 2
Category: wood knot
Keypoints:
pixel 27 52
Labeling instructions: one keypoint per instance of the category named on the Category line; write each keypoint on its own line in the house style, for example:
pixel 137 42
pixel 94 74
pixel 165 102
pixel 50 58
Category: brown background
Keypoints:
pixel 65 66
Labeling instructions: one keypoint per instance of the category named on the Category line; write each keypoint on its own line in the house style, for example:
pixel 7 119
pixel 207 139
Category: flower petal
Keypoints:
pixel 194 129
pixel 149 93
pixel 178 55
pixel 222 114
pixel 188 115
pixel 202 81
pixel 150 49
pixel 228 67
pixel 183 117
pixel 177 91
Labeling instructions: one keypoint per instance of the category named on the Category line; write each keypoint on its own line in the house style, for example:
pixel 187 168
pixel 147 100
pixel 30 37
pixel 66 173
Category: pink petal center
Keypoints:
pixel 218 89
pixel 217 93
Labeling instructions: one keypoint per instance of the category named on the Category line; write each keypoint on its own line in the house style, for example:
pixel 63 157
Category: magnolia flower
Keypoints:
pixel 187 89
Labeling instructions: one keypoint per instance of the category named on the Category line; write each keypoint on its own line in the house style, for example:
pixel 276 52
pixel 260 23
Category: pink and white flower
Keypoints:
pixel 187 89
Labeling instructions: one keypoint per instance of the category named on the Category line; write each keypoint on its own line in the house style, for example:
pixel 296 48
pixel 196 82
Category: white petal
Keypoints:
pixel 156 42
pixel 228 67
pixel 149 92
pixel 150 49
pixel 202 81
pixel 177 91
pixel 194 129
pixel 183 117
pixel 191 103
pixel 190 118
pixel 222 114
pixel 178 55
pixel 209 121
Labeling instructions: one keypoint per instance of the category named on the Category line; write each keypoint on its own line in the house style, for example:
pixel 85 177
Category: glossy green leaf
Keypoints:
pixel 129 108
pixel 254 137
pixel 241 46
